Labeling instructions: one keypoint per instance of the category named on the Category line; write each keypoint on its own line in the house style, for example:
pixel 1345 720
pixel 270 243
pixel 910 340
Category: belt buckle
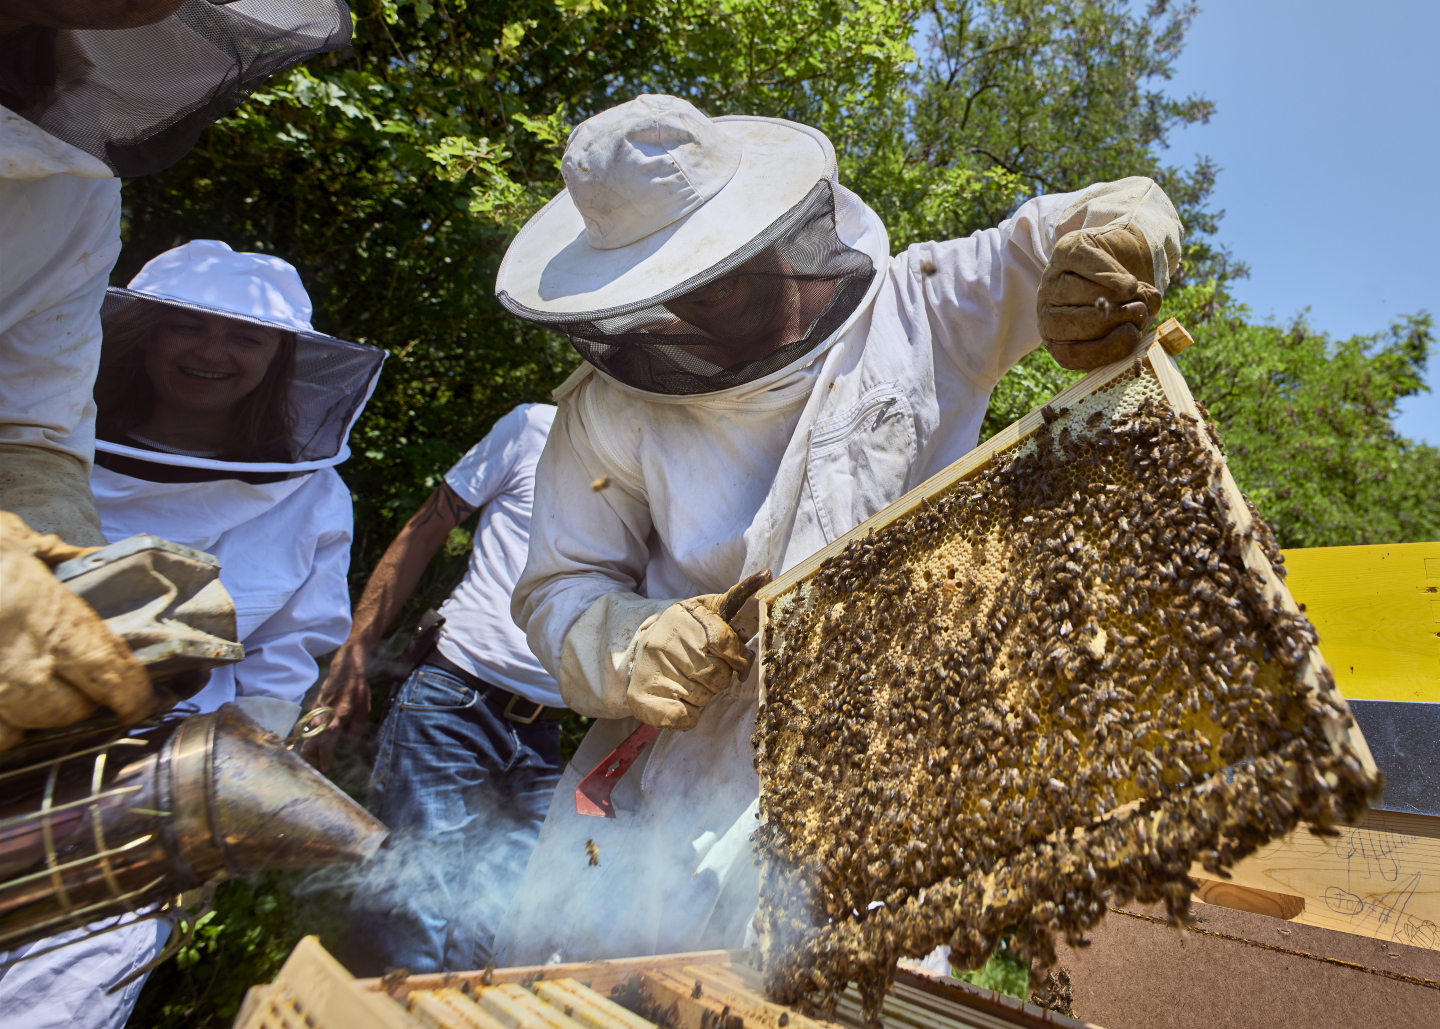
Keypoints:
pixel 509 709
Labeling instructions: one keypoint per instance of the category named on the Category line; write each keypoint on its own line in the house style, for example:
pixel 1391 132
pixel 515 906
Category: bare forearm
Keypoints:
pixel 400 569
pixel 393 580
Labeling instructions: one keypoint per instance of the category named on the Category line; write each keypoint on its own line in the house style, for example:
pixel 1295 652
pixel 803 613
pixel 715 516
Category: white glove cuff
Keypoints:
pixel 599 651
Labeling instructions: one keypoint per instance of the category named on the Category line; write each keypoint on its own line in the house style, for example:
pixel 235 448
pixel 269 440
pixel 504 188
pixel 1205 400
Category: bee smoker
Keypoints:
pixel 113 823
pixel 100 823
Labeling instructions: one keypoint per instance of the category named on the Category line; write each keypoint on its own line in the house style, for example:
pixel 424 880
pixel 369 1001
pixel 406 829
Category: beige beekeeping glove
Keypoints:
pixel 691 653
pixel 1097 295
pixel 50 491
pixel 58 660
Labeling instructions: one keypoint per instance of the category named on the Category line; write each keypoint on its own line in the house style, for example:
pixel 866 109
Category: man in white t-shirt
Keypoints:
pixel 469 754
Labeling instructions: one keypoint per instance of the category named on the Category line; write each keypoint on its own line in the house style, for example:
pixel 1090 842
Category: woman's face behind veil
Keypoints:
pixel 206 364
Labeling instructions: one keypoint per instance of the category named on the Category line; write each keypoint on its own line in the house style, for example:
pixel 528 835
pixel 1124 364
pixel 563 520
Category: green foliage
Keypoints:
pixel 1306 420
pixel 1002 972
pixel 243 941
pixel 458 543
pixel 1034 379
pixel 1014 98
pixel 573 728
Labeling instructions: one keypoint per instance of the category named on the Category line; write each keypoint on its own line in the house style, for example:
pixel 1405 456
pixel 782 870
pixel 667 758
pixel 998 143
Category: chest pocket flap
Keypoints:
pixel 860 458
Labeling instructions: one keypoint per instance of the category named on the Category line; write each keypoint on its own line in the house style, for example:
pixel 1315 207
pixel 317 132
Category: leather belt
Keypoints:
pixel 517 708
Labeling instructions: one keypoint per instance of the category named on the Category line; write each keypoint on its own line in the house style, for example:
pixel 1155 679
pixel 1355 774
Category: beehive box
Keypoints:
pixel 708 990
pixel 1045 681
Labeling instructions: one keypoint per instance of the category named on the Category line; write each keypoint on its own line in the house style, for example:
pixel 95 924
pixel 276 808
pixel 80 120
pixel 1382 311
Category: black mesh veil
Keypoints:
pixel 762 308
pixel 139 98
pixel 299 417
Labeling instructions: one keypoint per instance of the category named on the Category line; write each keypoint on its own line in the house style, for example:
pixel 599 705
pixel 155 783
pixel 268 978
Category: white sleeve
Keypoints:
pixel 480 476
pixel 978 294
pixel 588 553
pixel 280 654
pixel 59 238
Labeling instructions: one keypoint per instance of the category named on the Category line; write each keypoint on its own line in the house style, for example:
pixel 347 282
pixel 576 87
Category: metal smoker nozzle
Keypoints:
pixel 120 823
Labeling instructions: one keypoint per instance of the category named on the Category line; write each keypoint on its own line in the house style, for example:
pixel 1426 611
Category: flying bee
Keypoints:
pixel 592 851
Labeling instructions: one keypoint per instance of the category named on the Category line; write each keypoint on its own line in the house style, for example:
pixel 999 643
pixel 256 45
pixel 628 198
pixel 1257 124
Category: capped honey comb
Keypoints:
pixel 1044 683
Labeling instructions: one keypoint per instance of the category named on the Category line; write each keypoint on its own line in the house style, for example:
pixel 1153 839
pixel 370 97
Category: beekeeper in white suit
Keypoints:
pixel 92 91
pixel 221 416
pixel 761 375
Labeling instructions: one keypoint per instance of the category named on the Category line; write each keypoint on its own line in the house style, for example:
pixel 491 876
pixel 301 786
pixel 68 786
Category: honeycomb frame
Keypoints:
pixel 1070 669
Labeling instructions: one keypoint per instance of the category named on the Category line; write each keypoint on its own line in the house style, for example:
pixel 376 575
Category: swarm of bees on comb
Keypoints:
pixel 1047 688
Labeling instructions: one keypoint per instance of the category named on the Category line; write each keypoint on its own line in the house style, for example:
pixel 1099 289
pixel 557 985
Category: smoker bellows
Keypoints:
pixel 1044 682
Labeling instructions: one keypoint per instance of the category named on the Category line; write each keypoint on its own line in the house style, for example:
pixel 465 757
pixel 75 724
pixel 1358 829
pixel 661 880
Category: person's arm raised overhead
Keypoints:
pixel 394 579
pixel 1082 273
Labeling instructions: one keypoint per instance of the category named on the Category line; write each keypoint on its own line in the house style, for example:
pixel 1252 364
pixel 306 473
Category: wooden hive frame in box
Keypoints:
pixel 1044 681
pixel 706 990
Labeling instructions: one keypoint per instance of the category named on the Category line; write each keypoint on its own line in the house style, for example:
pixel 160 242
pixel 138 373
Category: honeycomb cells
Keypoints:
pixel 1049 689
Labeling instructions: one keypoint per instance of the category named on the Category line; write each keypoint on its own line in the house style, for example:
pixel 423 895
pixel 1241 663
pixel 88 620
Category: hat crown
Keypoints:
pixel 207 272
pixel 644 165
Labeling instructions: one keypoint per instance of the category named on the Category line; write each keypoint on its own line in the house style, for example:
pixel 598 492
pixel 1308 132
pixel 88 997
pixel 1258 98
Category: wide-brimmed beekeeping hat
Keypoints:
pixel 662 201
pixel 315 393
pixel 138 98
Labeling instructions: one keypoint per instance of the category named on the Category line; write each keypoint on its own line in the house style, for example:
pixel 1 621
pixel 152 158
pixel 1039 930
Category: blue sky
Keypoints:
pixel 1327 129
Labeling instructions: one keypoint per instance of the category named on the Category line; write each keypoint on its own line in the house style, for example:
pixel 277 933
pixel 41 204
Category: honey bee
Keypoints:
pixel 592 851
pixel 394 977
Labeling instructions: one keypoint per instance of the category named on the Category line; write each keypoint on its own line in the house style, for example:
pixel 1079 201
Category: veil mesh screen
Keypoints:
pixel 139 98
pixel 314 407
pixel 760 309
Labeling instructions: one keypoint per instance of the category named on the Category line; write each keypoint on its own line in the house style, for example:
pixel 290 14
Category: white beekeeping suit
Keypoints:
pixel 90 93
pixel 181 342
pixel 59 238
pixel 221 414
pixel 284 551
pixel 842 378
pixel 84 104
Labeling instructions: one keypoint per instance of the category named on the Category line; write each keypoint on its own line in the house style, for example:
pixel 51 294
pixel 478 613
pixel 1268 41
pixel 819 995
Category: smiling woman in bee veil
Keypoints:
pixel 221 413
pixel 194 382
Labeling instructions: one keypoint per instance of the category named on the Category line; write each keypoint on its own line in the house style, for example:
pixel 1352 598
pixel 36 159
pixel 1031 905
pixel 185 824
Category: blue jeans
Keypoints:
pixel 463 790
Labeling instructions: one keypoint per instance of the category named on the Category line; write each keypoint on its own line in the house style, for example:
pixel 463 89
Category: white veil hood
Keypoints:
pixel 332 380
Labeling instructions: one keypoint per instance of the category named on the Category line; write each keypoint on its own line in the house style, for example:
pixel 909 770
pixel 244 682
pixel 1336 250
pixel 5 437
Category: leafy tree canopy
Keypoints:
pixel 394 173
pixel 1307 420
pixel 1014 98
